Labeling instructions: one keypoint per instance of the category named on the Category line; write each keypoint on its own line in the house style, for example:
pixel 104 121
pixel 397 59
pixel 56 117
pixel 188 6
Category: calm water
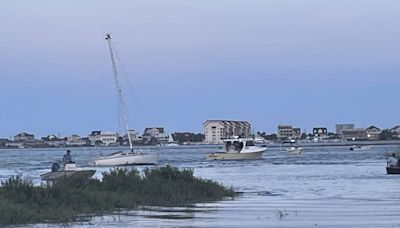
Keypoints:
pixel 323 187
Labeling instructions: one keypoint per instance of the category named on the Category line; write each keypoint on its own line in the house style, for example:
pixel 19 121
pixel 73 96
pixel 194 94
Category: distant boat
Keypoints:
pixel 171 141
pixel 238 149
pixel 124 157
pixel 68 171
pixel 360 148
pixel 294 150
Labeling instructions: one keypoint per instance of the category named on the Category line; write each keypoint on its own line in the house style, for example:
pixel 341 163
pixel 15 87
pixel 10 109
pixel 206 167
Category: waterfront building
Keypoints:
pixel 95 137
pixel 155 132
pixel 53 141
pixel 320 132
pixel 108 137
pixel 373 132
pixel 288 132
pixel 354 134
pixel 23 137
pixel 217 130
pixel 395 129
pixel 75 140
pixel 341 127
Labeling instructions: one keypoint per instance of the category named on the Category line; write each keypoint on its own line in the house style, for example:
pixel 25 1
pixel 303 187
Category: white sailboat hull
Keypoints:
pixel 120 159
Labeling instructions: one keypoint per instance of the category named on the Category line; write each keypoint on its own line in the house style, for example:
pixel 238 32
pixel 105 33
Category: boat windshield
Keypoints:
pixel 249 143
pixel 233 146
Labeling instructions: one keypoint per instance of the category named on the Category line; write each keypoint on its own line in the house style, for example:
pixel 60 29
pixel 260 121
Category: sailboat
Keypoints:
pixel 171 141
pixel 130 157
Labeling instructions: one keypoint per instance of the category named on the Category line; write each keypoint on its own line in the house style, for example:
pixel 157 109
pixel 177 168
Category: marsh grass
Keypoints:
pixel 69 199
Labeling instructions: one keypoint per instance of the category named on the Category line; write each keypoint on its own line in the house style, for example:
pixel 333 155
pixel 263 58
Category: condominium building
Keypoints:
pixel 217 130
pixel 288 132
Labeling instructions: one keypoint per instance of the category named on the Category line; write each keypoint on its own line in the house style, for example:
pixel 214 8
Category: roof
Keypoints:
pixel 160 129
pixel 372 127
pixel 234 121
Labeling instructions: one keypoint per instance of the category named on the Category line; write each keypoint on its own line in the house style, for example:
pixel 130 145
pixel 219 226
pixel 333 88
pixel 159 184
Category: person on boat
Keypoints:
pixel 393 161
pixel 67 157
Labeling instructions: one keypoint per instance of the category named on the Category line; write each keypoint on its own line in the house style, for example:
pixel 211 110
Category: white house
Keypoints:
pixel 108 137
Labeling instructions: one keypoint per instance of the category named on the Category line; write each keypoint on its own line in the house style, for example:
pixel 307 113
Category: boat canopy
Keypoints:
pixel 237 144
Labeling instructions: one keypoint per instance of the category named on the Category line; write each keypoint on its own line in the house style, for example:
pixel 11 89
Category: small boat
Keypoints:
pixel 121 158
pixel 360 148
pixel 68 171
pixel 393 169
pixel 238 149
pixel 130 157
pixel 294 150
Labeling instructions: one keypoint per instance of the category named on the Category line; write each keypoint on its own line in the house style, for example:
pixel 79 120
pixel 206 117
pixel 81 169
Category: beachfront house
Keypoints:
pixel 373 132
pixel 24 137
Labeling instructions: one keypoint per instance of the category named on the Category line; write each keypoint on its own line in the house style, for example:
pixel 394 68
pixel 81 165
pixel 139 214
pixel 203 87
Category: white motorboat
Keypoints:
pixel 130 157
pixel 238 149
pixel 294 150
pixel 68 171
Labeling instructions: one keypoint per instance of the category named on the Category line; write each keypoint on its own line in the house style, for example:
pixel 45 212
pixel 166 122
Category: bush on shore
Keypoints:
pixel 65 201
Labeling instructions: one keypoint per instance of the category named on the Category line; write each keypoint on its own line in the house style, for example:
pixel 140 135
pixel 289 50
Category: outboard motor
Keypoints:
pixel 55 167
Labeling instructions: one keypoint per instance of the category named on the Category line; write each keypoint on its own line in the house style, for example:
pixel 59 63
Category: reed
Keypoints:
pixel 69 200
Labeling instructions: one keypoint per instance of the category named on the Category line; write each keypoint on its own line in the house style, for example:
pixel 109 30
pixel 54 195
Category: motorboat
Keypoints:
pixel 130 157
pixel 392 169
pixel 68 170
pixel 121 158
pixel 360 148
pixel 294 150
pixel 238 149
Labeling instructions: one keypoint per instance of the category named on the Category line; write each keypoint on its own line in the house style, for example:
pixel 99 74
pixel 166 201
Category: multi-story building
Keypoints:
pixel 155 132
pixel 341 127
pixel 23 137
pixel 288 132
pixel 373 132
pixel 217 130
pixel 95 137
pixel 354 134
pixel 108 137
pixel 75 140
pixel 320 131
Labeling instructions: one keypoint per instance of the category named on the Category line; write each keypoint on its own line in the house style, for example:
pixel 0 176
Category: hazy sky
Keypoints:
pixel 307 63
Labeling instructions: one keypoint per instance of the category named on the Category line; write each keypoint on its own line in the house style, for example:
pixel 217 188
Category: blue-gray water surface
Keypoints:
pixel 322 187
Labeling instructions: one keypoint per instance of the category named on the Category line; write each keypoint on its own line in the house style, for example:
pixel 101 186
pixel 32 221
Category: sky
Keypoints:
pixel 309 63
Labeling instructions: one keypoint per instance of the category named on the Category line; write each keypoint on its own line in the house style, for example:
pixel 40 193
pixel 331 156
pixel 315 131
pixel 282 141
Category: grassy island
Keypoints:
pixel 65 201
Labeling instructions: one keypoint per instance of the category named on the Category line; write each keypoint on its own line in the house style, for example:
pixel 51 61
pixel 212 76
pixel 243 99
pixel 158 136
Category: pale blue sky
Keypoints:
pixel 307 63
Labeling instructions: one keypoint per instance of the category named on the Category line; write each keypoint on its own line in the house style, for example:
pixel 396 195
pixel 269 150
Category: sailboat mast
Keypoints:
pixel 119 90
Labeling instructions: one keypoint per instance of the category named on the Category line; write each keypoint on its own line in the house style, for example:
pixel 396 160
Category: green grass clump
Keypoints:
pixel 69 199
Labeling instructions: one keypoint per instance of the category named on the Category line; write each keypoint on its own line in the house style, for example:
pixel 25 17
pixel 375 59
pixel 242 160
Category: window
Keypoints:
pixel 249 143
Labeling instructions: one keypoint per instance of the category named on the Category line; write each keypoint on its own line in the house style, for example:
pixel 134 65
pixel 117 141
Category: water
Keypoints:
pixel 322 187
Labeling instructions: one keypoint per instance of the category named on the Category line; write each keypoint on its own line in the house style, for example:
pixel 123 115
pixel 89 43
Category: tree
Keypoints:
pixel 386 135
